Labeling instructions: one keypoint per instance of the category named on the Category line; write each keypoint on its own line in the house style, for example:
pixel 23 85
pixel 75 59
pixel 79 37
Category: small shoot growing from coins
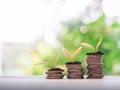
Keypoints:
pixel 49 64
pixel 95 49
pixel 73 56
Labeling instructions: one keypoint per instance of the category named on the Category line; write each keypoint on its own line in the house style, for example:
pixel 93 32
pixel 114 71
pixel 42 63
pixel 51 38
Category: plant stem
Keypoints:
pixel 72 59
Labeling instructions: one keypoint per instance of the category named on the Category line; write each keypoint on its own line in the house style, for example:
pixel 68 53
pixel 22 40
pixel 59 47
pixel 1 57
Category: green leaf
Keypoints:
pixel 98 44
pixel 87 45
pixel 57 58
pixel 76 53
pixel 66 53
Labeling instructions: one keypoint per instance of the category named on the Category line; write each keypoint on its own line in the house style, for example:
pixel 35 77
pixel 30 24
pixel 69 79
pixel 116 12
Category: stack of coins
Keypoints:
pixel 55 73
pixel 94 65
pixel 74 70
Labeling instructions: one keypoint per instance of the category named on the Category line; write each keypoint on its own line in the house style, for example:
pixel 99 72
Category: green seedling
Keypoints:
pixel 69 56
pixel 49 64
pixel 91 47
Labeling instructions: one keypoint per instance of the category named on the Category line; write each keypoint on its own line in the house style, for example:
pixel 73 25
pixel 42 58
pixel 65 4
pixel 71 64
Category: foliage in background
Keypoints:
pixel 90 33
pixel 76 32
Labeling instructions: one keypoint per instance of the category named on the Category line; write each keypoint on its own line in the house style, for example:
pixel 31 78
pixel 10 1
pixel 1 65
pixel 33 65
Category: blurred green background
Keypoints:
pixel 75 32
pixel 67 23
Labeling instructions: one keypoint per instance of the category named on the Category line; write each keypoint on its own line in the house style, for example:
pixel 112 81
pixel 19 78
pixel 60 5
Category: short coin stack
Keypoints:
pixel 55 73
pixel 94 65
pixel 74 70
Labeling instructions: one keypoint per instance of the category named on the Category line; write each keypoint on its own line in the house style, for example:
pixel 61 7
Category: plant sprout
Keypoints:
pixel 91 47
pixel 69 56
pixel 49 64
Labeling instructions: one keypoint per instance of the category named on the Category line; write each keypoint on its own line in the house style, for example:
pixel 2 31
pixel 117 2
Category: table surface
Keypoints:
pixel 40 83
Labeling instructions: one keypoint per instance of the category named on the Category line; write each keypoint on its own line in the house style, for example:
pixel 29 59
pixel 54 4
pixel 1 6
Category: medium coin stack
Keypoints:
pixel 74 70
pixel 95 65
pixel 55 73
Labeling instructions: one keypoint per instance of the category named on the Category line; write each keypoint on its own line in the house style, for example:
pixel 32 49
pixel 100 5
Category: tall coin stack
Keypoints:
pixel 95 65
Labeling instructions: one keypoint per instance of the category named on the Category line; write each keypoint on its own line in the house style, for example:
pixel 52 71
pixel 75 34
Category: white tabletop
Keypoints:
pixel 40 83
